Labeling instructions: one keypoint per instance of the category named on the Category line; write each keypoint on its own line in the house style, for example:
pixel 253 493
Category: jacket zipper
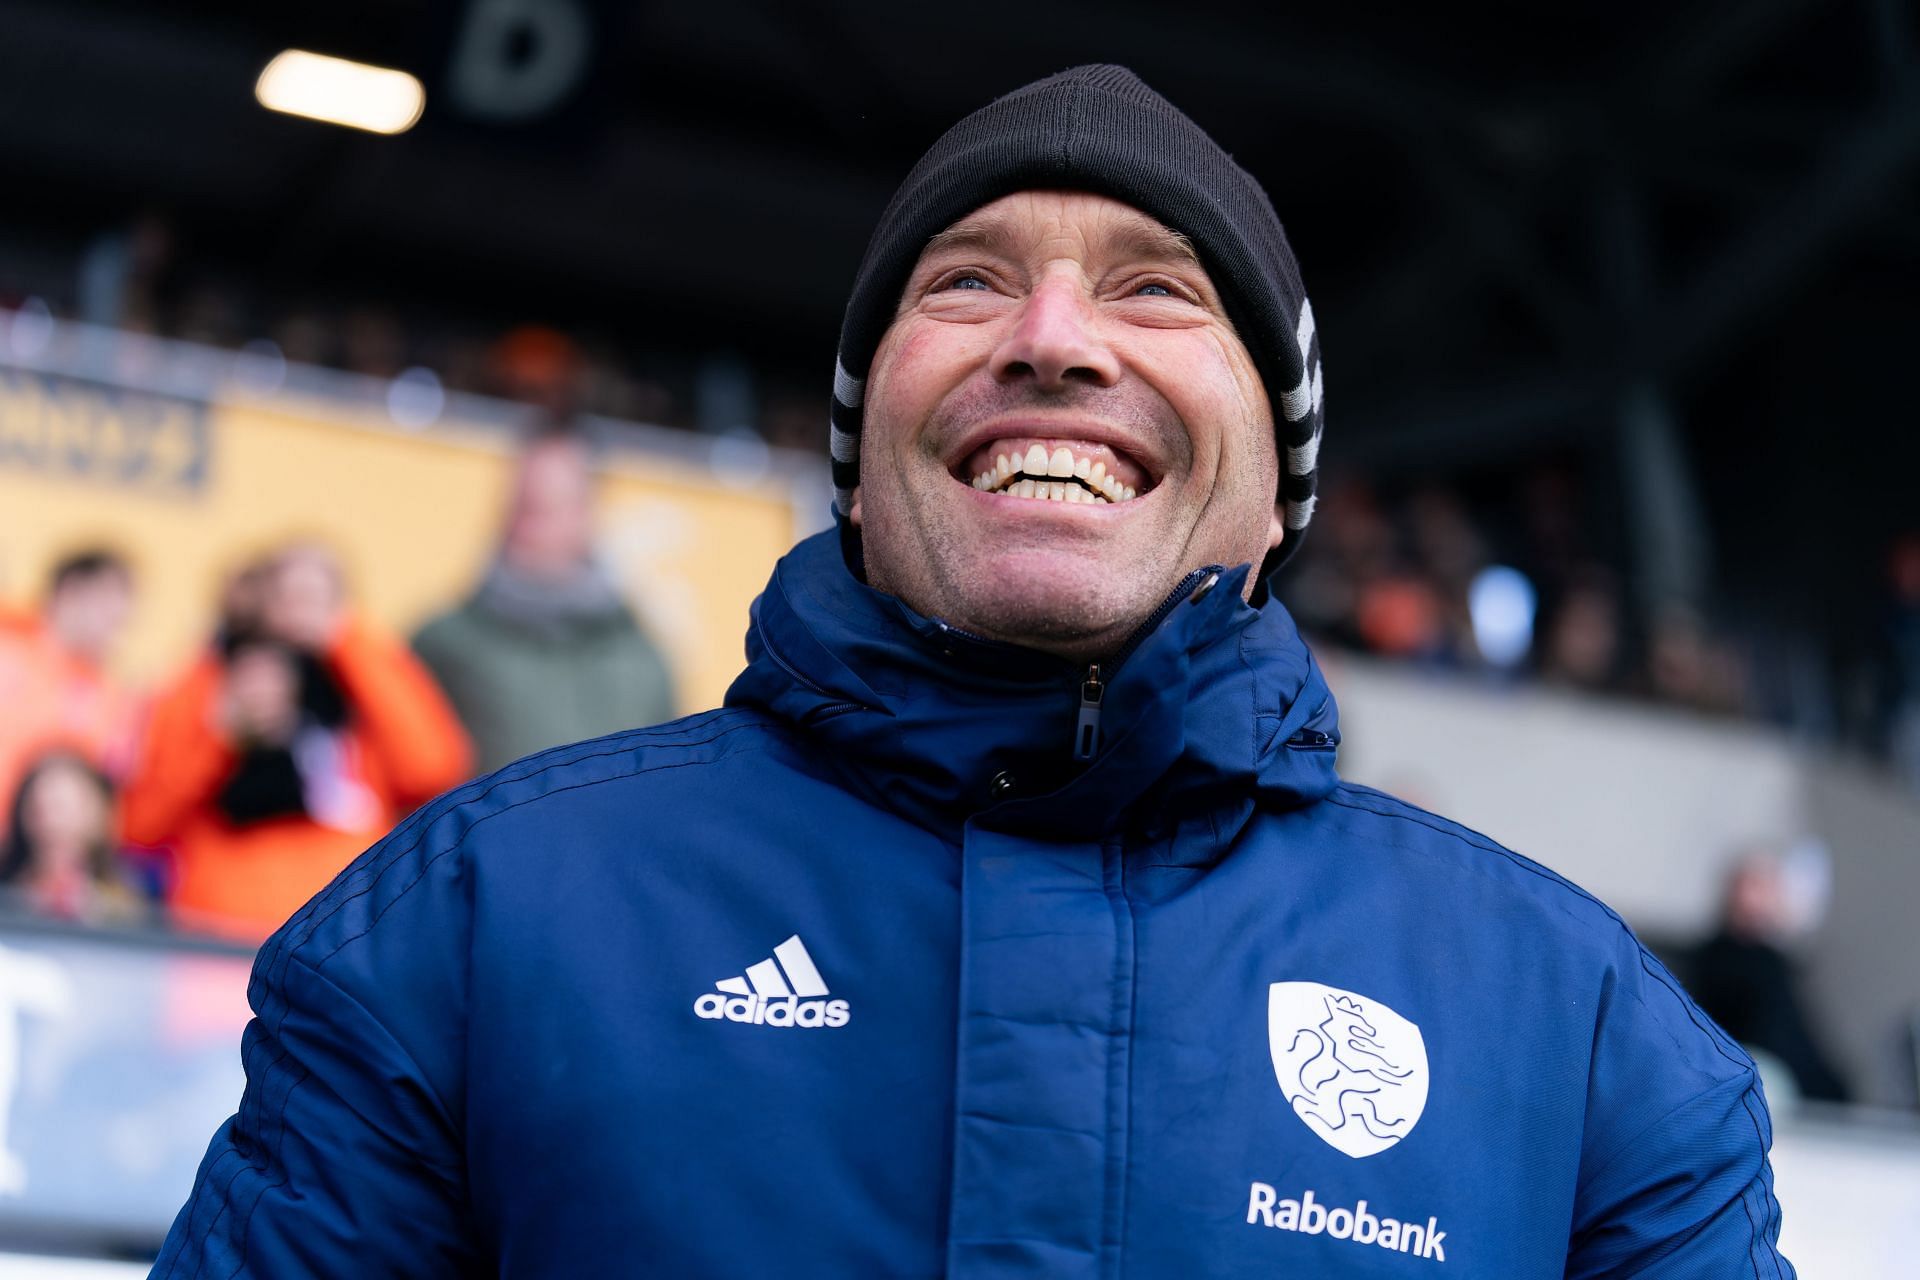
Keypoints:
pixel 1086 726
pixel 1093 689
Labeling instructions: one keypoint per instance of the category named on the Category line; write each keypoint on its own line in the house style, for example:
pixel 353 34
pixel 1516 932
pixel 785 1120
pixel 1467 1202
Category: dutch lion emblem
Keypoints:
pixel 1354 1070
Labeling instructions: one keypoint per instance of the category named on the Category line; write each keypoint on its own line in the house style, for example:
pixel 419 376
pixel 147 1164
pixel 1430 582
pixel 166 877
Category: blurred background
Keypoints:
pixel 339 465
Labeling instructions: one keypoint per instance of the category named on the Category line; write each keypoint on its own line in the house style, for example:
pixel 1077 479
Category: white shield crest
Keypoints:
pixel 1354 1070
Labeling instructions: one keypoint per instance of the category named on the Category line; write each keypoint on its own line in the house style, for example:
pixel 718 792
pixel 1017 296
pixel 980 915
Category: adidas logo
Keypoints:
pixel 783 990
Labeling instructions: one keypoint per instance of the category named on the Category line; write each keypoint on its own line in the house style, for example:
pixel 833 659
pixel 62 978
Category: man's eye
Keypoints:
pixel 1160 290
pixel 968 281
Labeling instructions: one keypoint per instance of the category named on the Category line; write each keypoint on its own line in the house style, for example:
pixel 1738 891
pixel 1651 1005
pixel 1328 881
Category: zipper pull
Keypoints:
pixel 1086 730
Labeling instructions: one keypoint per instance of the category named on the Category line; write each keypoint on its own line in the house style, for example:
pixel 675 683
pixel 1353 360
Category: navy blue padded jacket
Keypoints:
pixel 866 974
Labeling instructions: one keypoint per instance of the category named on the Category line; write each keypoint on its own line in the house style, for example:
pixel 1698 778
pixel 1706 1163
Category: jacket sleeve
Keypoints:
pixel 347 1154
pixel 1675 1181
pixel 180 763
pixel 405 720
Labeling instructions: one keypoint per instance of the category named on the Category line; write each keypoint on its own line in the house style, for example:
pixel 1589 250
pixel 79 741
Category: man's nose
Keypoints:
pixel 1056 339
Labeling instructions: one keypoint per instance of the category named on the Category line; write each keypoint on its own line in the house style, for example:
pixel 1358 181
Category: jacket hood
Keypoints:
pixel 1218 704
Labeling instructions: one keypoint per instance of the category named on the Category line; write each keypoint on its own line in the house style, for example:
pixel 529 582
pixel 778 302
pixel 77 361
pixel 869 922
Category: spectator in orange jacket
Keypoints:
pixel 302 736
pixel 55 691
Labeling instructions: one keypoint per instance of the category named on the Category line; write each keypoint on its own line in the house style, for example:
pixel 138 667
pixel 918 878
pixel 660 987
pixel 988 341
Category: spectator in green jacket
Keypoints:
pixel 545 651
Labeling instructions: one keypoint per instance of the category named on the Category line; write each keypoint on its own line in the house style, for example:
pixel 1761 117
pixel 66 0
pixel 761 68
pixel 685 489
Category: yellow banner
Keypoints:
pixel 191 489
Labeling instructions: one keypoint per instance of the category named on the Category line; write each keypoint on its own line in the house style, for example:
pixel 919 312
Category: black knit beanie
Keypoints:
pixel 1099 129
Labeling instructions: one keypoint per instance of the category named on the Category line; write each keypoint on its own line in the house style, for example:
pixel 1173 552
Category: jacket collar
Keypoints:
pixel 1218 702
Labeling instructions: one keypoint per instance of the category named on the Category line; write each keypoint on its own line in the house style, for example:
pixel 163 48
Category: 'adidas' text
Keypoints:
pixel 783 990
pixel 773 1013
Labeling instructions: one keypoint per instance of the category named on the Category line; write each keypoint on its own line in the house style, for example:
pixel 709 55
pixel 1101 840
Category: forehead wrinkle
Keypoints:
pixel 1120 230
pixel 1153 242
pixel 990 232
pixel 1112 229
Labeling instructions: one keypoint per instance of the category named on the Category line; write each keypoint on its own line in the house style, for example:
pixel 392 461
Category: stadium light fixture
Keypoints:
pixel 313 85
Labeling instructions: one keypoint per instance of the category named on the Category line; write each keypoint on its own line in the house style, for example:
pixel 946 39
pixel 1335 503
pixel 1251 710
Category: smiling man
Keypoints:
pixel 1010 919
pixel 1069 359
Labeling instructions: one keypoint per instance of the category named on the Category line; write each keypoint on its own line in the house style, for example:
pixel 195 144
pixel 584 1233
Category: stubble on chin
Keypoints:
pixel 1078 607
pixel 927 546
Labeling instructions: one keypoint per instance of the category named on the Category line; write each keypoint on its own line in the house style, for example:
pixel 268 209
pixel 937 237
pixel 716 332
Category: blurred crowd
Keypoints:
pixel 1421 577
pixel 1519 590
pixel 136 279
pixel 300 732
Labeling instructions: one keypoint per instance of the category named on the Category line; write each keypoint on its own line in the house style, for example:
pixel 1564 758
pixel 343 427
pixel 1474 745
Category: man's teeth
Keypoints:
pixel 1030 475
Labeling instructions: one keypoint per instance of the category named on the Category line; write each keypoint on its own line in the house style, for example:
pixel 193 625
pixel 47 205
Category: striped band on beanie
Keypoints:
pixel 1100 129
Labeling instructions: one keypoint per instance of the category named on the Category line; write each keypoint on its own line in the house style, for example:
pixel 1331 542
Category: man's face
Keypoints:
pixel 88 613
pixel 550 523
pixel 1060 332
